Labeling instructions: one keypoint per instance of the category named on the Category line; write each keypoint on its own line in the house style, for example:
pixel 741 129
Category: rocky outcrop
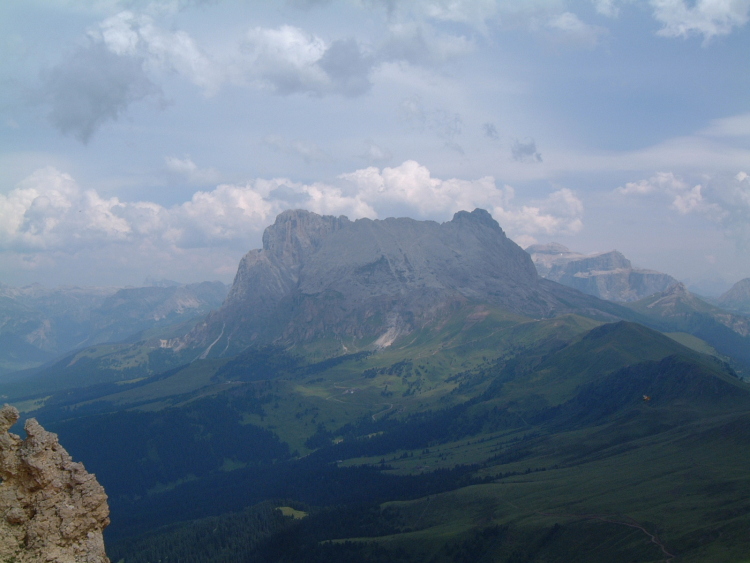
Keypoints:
pixel 51 509
pixel 608 275
pixel 367 282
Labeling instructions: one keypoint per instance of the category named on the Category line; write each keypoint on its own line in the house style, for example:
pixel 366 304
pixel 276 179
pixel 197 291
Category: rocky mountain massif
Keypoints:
pixel 52 509
pixel 608 275
pixel 37 324
pixel 737 298
pixel 367 282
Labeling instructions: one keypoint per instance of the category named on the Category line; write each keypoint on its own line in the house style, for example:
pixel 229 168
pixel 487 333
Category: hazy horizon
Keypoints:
pixel 158 139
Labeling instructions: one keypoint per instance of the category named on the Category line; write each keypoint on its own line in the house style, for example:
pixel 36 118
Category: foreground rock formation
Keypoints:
pixel 51 509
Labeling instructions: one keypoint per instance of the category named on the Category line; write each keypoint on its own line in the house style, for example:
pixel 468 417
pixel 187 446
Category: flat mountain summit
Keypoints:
pixel 371 281
pixel 607 275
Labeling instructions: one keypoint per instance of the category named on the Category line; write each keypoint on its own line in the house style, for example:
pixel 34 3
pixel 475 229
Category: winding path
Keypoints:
pixel 632 524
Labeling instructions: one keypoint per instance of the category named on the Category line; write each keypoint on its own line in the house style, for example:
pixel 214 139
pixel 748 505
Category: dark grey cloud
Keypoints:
pixel 490 131
pixel 525 151
pixel 444 124
pixel 347 67
pixel 92 86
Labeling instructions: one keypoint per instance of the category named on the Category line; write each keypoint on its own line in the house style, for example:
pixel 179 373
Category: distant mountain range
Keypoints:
pixel 607 275
pixel 37 323
pixel 328 286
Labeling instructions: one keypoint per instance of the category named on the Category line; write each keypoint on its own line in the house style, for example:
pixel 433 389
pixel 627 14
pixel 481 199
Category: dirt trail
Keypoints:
pixel 628 522
pixel 390 407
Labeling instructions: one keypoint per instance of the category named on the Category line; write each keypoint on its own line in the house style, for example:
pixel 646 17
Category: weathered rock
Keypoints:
pixel 51 509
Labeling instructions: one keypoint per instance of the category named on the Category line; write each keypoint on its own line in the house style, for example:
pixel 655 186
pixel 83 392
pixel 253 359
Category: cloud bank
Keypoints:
pixel 709 18
pixel 50 212
pixel 723 200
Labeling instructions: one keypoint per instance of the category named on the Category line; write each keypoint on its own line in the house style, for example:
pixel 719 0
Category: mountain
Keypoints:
pixel 737 298
pixel 409 391
pixel 608 275
pixel 676 309
pixel 37 324
pixel 365 283
pixel 132 310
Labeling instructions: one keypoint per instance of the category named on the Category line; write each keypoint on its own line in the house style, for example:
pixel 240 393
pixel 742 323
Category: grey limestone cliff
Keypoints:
pixel 608 275
pixel 372 280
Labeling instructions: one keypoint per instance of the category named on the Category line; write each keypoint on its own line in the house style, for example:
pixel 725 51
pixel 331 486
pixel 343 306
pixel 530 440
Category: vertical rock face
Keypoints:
pixel 367 280
pixel 51 509
pixel 364 283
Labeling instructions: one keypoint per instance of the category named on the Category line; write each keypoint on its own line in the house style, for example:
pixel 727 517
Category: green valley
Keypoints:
pixel 500 436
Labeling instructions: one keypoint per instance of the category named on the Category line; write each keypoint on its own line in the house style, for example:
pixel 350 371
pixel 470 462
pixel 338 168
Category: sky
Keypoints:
pixel 158 139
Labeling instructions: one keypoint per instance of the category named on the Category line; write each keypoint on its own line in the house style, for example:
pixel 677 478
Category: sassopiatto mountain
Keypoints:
pixel 607 275
pixel 367 282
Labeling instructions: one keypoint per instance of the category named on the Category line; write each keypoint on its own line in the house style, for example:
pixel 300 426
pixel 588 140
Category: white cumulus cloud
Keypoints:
pixel 607 8
pixel 411 189
pixel 685 198
pixel 189 170
pixel 722 199
pixel 708 18
pixel 659 182
pixel 421 43
pixel 570 27
pixel 288 60
pixel 49 210
pixel 129 34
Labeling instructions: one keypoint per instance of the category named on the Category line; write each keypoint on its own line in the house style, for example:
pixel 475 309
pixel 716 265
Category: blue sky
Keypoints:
pixel 158 139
